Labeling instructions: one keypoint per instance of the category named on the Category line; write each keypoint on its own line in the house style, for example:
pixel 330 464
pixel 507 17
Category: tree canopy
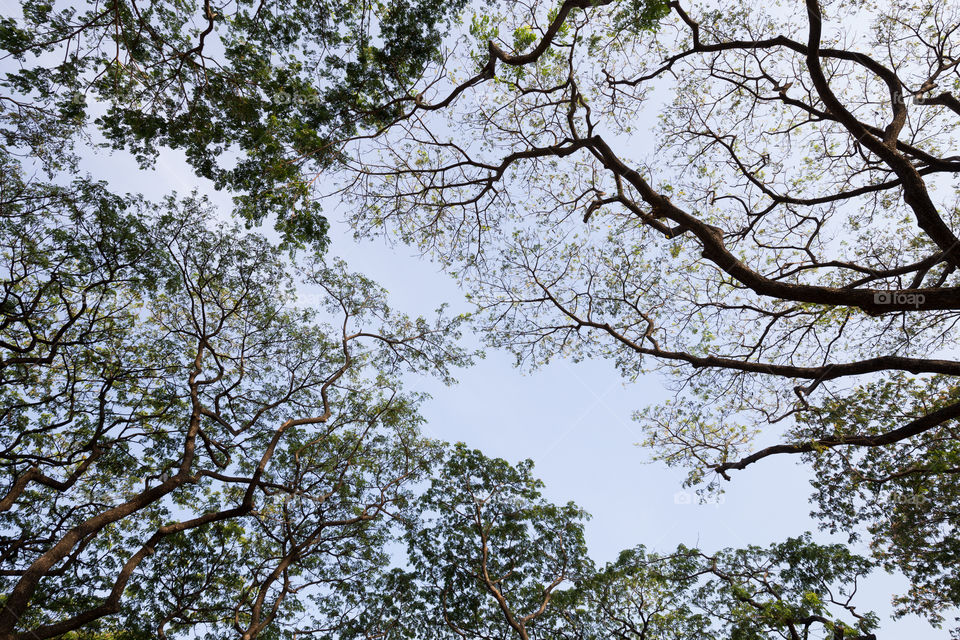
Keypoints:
pixel 182 446
pixel 492 559
pixel 257 95
pixel 757 200
pixel 760 202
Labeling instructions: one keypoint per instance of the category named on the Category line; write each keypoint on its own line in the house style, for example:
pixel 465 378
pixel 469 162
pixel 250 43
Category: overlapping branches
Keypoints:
pixel 174 403
pixel 760 202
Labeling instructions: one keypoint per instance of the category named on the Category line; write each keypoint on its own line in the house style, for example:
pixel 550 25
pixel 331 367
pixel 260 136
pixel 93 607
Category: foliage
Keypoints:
pixel 256 95
pixel 185 448
pixel 900 495
pixel 490 552
pixel 187 452
pixel 757 201
pixel 642 15
pixel 490 558
pixel 793 589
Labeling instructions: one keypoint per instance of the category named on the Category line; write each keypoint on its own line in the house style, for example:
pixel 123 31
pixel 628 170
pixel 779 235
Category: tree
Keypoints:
pixel 487 553
pixel 184 450
pixel 758 200
pixel 255 94
pixel 489 557
pixel 794 589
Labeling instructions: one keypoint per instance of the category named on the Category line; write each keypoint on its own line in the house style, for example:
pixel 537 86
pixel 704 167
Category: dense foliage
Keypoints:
pixel 182 445
pixel 757 200
pixel 186 451
pixel 257 95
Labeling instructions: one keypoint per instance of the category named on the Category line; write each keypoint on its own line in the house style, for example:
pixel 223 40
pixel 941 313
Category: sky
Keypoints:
pixel 572 419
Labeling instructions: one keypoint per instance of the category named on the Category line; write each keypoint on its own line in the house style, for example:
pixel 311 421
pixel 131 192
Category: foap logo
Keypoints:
pixel 899 298
pixel 685 497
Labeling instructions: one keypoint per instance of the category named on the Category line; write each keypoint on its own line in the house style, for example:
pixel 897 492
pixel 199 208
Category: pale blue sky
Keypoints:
pixel 573 420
